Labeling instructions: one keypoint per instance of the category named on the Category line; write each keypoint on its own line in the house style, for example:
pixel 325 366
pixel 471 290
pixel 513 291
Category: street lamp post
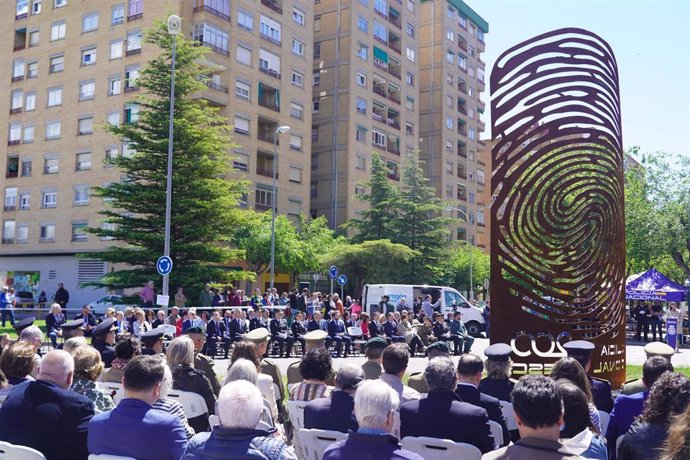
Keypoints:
pixel 174 28
pixel 279 130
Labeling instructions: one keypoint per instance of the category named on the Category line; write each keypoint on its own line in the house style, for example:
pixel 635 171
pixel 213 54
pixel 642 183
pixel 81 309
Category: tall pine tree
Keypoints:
pixel 204 200
pixel 418 219
pixel 376 222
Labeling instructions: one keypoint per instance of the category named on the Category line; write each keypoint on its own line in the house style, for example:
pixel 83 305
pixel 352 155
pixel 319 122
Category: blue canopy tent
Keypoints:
pixel 652 285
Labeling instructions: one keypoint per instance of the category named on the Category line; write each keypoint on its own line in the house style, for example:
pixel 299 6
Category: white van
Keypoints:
pixel 450 300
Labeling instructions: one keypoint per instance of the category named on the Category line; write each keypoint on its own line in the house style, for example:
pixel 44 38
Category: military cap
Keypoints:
pixel 196 330
pixel 438 348
pixel 315 339
pixel 103 328
pixel 579 349
pixel 70 325
pixel 153 335
pixel 376 342
pixel 258 335
pixel 659 349
pixel 498 352
pixel 22 324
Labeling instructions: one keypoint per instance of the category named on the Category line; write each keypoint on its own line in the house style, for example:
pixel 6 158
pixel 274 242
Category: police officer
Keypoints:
pixel 581 350
pixel 22 324
pixel 201 361
pixel 71 329
pixel 642 317
pixel 498 366
pixel 651 349
pixel 103 339
pixel 260 337
pixel 152 342
pixel 416 380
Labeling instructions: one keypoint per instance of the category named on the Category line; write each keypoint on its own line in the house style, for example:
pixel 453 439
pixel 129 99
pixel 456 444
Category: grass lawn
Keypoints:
pixel 13 334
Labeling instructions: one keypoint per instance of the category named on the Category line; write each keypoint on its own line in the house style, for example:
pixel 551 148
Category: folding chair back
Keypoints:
pixel 114 389
pixel 440 449
pixel 509 415
pixel 13 452
pixel 497 433
pixel 315 442
pixel 193 404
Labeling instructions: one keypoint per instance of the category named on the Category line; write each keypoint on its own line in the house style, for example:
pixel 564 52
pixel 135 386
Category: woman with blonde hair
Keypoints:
pixel 17 363
pixel 88 367
pixel 140 325
pixel 247 350
pixel 180 357
pixel 677 446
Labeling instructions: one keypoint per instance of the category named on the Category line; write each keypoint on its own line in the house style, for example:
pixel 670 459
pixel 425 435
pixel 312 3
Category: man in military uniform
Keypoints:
pixel 416 380
pixel 313 339
pixel 152 342
pixel 103 339
pixel 651 349
pixel 260 337
pixel 71 329
pixel 582 350
pixel 373 350
pixel 201 361
pixel 498 367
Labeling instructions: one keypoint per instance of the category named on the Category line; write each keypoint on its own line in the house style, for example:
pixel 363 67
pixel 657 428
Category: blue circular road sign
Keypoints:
pixel 164 265
pixel 342 280
pixel 333 272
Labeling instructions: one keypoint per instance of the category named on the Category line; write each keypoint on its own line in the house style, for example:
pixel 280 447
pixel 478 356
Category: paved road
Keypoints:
pixel 634 353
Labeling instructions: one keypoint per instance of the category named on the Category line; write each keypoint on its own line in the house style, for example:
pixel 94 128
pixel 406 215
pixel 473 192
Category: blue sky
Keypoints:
pixel 651 41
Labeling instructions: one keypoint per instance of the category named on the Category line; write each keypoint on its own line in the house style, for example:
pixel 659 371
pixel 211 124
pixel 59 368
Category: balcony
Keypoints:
pixel 462 43
pixel 16 110
pixel 377 117
pixel 393 119
pixel 462 106
pixel 12 167
pixel 269 71
pixel 462 129
pixel 393 176
pixel 267 37
pixel 262 207
pixel 393 145
pixel 462 195
pixel 394 17
pixel 394 94
pixel 18 78
pixel 394 70
pixel 211 10
pixel 383 14
pixel 269 97
pixel 379 89
pixel 264 164
pixel 14 142
pixel 275 6
pixel 462 174
pixel 267 129
pixel 462 85
pixel 214 48
pixel 481 106
pixel 265 172
pixel 216 87
pixel 380 64
pixel 394 42
pixel 132 52
pixel 462 149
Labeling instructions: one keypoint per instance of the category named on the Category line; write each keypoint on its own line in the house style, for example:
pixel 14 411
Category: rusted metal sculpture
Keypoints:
pixel 557 228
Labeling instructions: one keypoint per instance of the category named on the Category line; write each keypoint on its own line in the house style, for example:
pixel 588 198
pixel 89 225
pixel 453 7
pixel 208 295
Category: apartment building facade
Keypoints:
pixel 450 110
pixel 365 97
pixel 73 68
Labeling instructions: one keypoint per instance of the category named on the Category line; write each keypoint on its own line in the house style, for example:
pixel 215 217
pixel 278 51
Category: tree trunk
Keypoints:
pixel 678 259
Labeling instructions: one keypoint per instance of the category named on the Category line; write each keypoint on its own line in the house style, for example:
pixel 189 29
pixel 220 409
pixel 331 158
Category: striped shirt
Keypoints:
pixel 306 391
pixel 175 408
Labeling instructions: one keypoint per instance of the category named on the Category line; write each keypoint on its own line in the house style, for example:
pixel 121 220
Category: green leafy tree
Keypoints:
pixel 455 271
pixel 204 200
pixel 418 220
pixel 376 261
pixel 376 222
pixel 315 239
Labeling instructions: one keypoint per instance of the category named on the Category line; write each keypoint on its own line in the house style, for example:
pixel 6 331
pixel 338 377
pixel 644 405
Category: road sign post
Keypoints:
pixel 333 274
pixel 164 265
pixel 342 279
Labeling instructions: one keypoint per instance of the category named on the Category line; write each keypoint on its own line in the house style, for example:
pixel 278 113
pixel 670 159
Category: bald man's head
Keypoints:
pixel 57 367
pixel 348 377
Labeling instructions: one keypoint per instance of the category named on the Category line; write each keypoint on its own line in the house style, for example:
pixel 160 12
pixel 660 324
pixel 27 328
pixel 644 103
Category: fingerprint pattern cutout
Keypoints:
pixel 557 230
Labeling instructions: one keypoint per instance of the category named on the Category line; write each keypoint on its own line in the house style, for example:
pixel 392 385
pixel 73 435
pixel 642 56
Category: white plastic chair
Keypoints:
pixel 396 425
pixel 13 452
pixel 604 419
pixel 497 433
pixel 509 415
pixel 440 449
pixel 315 442
pixel 193 404
pixel 296 411
pixel 109 457
pixel 111 387
pixel 169 329
pixel 356 334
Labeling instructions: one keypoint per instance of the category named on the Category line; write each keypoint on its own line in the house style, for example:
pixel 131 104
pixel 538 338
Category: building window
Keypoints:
pixel 18 69
pixel 450 56
pixel 317 49
pixel 83 161
pixel 53 129
pixel 116 49
pixel 10 198
pixel 270 30
pixel 317 24
pixel 49 199
pixel 362 24
pixel 315 104
pixel 316 79
pixel 472 134
pixel 315 133
pixel 213 37
pixel 314 190
pixel 131 112
pixel 244 55
pixel 134 42
pixel 361 106
pixel 242 90
pixel 362 51
pixel 263 197
pixel 59 3
pixel 297 79
pixel 410 30
pixel 409 78
pixel 88 56
pixel 410 5
pixel 113 118
pixel 58 30
pixel 34 37
pixel 410 54
pixel 295 142
pixel 117 14
pixel 409 128
pixel 111 152
pixel 8 231
pixel 361 79
pixel 32 70
pixel 295 174
pixel 136 9
pixel 241 125
pixel 361 134
pixel 449 122
pixel 298 16
pixel 114 85
pixel 50 166
pixel 22 9
pixel 15 135
pixel 29 132
pixel 89 22
pixel 131 77
pixel 361 162
pixel 57 64
pixel 297 47
pixel 81 195
pixel 16 101
pixel 35 7
pixel 296 110
pixel 85 126
pixel 47 233
pixel 24 201
pixel 79 231
pixel 409 103
pixel 462 61
pixel 54 96
pixel 87 90
pixel 30 102
pixel 245 20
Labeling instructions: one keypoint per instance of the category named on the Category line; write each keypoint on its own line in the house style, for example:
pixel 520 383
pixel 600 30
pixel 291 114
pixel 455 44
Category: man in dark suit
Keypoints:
pixel 442 414
pixel 336 413
pixel 627 407
pixel 390 328
pixel 88 319
pixel 582 350
pixel 470 369
pixel 336 331
pixel 46 416
pixel 280 334
pixel 216 332
pixel 134 428
pixel 236 326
